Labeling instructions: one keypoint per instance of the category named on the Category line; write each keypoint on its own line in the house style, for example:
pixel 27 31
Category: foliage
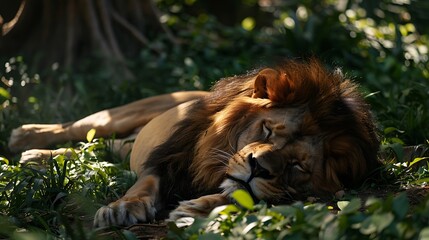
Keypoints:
pixel 392 218
pixel 60 197
pixel 410 174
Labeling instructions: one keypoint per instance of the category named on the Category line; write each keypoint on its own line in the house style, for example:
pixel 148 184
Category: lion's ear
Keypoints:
pixel 264 83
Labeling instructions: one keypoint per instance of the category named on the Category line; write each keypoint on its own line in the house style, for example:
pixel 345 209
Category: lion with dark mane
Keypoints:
pixel 283 134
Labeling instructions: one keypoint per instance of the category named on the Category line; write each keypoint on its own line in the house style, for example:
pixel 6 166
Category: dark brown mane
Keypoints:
pixel 340 112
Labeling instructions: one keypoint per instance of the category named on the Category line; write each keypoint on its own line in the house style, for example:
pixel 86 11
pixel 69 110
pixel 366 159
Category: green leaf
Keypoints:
pixel 376 223
pixel 90 135
pixel 392 129
pixel 368 227
pixel 243 198
pixel 397 148
pixel 4 93
pixel 400 205
pixel 284 210
pixel 249 227
pixel 4 160
pixel 416 160
pixel 424 234
pixel 223 210
pixel 211 236
pixel 397 140
pixel 349 206
pixel 372 204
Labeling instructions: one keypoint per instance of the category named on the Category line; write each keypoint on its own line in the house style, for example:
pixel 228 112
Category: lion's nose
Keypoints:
pixel 257 169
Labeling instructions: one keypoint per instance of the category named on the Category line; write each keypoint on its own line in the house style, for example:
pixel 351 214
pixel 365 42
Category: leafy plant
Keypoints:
pixel 48 198
pixel 374 219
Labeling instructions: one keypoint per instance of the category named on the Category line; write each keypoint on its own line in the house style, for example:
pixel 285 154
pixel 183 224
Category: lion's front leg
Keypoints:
pixel 137 205
pixel 200 207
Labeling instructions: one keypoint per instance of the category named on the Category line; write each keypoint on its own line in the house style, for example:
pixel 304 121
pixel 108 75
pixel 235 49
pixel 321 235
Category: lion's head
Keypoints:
pixel 284 133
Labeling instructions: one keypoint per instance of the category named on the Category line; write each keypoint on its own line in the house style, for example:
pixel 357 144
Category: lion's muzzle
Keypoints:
pixel 257 171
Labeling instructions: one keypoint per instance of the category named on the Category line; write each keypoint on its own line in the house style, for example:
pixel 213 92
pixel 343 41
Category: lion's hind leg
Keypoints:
pixel 122 121
pixel 137 205
pixel 31 136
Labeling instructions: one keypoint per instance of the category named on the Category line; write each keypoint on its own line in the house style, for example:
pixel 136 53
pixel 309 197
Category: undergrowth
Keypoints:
pixel 391 218
pixel 57 198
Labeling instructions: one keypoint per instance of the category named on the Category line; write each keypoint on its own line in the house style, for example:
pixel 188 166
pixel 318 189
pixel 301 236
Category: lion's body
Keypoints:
pixel 163 125
pixel 282 134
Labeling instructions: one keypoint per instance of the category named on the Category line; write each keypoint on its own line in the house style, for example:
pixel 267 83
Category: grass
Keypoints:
pixel 60 199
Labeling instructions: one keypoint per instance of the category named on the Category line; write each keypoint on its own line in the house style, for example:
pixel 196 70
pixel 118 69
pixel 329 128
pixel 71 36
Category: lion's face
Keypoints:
pixel 275 153
pixel 278 158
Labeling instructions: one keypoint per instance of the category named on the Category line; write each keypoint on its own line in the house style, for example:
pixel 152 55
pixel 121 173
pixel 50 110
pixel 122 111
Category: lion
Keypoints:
pixel 282 133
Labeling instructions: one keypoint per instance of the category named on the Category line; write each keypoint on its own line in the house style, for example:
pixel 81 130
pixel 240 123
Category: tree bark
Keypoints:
pixel 65 32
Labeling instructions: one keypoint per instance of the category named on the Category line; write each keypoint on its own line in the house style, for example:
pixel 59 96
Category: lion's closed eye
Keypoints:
pixel 267 132
pixel 298 167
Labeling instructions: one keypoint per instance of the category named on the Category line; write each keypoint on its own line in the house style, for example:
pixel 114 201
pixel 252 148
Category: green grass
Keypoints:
pixel 59 200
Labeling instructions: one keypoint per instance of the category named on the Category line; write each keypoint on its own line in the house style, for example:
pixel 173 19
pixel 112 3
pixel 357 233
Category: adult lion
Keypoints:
pixel 281 133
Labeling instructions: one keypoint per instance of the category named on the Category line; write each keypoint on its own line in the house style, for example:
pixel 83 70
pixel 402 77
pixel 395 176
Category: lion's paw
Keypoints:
pixel 200 207
pixel 125 213
pixel 39 157
pixel 35 156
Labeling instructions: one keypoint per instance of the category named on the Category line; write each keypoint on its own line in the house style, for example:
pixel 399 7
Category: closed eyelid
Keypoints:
pixel 299 167
pixel 267 131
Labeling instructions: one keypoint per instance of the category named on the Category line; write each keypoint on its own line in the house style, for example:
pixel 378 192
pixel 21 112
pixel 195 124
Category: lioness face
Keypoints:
pixel 279 156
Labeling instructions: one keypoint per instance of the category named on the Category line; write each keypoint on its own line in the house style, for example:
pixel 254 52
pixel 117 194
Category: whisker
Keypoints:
pixel 220 156
pixel 222 153
pixel 286 195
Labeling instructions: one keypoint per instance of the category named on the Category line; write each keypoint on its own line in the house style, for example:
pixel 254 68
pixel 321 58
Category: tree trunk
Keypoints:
pixel 65 32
